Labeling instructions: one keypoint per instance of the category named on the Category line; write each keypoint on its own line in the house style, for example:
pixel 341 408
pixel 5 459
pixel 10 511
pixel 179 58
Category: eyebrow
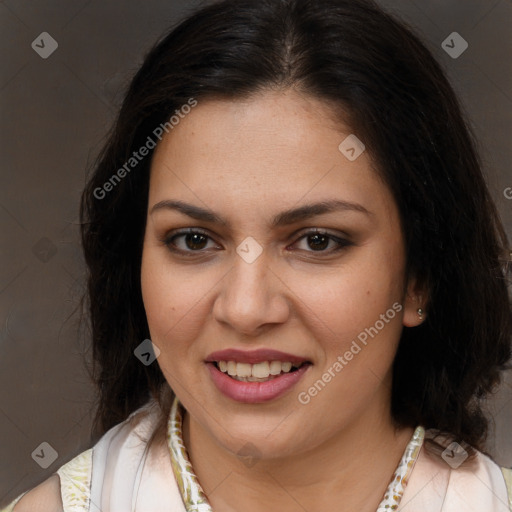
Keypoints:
pixel 281 219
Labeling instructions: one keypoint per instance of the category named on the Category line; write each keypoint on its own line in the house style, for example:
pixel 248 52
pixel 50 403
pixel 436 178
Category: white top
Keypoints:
pixel 125 472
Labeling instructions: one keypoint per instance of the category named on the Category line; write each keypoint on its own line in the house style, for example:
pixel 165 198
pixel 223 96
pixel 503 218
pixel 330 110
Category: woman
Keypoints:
pixel 292 210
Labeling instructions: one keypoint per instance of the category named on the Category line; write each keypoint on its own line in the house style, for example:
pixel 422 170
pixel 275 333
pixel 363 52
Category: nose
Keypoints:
pixel 251 297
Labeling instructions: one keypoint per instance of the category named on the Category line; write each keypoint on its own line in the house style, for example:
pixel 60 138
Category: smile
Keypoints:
pixel 255 376
pixel 259 372
pixel 258 389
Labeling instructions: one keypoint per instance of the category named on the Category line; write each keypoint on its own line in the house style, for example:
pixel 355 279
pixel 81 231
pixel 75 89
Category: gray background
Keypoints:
pixel 55 114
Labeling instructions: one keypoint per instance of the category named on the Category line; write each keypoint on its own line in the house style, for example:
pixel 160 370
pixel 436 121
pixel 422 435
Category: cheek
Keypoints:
pixel 170 297
pixel 352 297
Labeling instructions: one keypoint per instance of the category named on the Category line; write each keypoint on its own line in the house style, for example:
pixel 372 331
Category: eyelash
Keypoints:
pixel 170 237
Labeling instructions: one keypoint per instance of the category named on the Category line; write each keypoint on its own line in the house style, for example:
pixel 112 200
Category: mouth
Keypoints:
pixel 259 372
pixel 255 376
pixel 259 382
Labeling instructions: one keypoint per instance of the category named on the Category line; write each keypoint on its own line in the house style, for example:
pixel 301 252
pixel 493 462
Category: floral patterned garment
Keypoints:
pixel 195 500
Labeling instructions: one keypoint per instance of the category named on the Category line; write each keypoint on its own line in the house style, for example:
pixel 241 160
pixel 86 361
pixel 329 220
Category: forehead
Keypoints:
pixel 276 147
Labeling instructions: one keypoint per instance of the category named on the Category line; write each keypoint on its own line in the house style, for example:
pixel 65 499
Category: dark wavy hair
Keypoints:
pixel 396 98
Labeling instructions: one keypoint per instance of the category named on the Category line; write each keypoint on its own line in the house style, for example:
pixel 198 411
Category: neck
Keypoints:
pixel 353 467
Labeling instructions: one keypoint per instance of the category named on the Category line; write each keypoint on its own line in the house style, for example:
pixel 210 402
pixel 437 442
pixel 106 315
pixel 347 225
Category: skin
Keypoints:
pixel 247 161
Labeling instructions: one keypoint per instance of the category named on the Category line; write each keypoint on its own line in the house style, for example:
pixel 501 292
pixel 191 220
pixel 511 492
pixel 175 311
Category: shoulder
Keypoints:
pixel 116 456
pixel 444 476
pixel 483 483
pixel 67 489
pixel 45 497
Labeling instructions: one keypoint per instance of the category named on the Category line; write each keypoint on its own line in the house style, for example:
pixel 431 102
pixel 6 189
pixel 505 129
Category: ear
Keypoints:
pixel 415 299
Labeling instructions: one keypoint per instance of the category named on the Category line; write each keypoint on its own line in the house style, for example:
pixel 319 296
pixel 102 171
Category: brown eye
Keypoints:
pixel 322 242
pixel 195 240
pixel 187 242
pixel 318 242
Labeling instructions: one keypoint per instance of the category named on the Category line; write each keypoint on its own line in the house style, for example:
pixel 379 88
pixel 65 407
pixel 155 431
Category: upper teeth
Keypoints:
pixel 259 370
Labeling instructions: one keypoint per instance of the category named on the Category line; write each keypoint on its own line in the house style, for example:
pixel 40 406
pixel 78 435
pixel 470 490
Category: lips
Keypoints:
pixel 254 356
pixel 257 390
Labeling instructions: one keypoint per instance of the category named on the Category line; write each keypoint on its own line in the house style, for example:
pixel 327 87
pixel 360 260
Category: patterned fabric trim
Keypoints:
pixel 396 487
pixel 75 482
pixel 507 474
pixel 195 499
pixel 191 491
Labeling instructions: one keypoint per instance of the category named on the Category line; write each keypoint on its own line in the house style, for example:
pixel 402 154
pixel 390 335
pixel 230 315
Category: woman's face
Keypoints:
pixel 257 279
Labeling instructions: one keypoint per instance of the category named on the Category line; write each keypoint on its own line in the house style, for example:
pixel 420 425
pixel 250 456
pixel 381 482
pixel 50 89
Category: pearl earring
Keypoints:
pixel 420 312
